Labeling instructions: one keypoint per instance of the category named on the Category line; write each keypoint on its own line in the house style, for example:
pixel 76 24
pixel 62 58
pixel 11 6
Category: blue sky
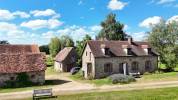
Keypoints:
pixel 36 21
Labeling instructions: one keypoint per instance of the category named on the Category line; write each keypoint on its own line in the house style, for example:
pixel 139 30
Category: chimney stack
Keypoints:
pixel 130 40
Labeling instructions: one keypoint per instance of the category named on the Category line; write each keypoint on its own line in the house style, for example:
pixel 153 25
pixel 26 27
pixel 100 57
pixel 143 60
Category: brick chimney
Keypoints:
pixel 130 40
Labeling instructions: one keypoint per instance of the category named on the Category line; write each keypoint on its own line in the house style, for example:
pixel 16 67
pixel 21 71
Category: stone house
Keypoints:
pixel 65 60
pixel 103 58
pixel 15 59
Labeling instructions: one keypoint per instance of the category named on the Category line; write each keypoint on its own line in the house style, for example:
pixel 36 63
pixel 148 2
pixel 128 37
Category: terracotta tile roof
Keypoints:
pixel 117 48
pixel 67 55
pixel 21 58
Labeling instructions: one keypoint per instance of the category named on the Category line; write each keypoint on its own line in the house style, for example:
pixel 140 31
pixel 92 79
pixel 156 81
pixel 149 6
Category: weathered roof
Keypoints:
pixel 117 48
pixel 18 48
pixel 66 54
pixel 21 58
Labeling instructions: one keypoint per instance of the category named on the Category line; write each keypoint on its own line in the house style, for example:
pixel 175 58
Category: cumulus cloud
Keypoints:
pixel 116 5
pixel 78 32
pixel 138 36
pixel 151 21
pixel 38 23
pixel 21 14
pixel 47 12
pixel 7 15
pixel 95 28
pixel 4 27
pixel 48 34
pixel 172 19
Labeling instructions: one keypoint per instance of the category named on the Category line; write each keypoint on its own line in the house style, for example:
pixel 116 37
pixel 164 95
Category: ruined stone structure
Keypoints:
pixel 15 59
pixel 103 58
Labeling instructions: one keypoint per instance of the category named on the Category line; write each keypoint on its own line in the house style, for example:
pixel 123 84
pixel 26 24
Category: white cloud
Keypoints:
pixel 47 12
pixel 78 32
pixel 21 14
pixel 126 27
pixel 165 1
pixel 138 36
pixel 48 34
pixel 116 5
pixel 38 23
pixel 95 28
pixel 173 18
pixel 151 21
pixel 4 27
pixel 6 15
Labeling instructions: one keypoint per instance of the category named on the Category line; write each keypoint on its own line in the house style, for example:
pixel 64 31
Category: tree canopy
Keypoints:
pixel 44 48
pixel 79 48
pixel 4 42
pixel 163 37
pixel 54 46
pixel 66 41
pixel 112 29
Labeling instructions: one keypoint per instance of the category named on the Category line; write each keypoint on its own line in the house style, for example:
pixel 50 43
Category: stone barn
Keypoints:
pixel 65 60
pixel 103 58
pixel 15 59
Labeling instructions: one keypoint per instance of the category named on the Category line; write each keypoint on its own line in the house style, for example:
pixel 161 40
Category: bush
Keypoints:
pixel 22 80
pixel 120 78
pixel 49 61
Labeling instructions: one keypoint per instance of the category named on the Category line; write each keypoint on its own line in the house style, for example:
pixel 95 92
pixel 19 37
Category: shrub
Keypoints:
pixel 120 78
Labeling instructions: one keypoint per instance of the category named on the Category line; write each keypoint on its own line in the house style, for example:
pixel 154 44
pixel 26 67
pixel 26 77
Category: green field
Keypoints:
pixel 151 77
pixel 147 94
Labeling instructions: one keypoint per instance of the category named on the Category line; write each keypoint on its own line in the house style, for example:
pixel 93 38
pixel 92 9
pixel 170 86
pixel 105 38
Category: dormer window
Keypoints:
pixel 146 49
pixel 127 49
pixel 105 49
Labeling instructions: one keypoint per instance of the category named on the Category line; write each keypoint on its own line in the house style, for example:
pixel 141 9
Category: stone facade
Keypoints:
pixel 97 64
pixel 35 77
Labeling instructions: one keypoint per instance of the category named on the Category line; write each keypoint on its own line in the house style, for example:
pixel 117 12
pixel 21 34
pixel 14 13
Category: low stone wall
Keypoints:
pixel 35 77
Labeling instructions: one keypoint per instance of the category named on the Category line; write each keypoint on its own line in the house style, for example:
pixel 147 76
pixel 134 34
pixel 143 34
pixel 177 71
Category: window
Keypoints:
pixel 32 76
pixel 108 68
pixel 12 78
pixel 135 66
pixel 86 53
pixel 90 56
pixel 147 65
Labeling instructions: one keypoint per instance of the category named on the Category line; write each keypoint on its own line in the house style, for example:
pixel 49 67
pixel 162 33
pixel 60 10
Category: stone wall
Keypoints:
pixel 87 59
pixel 99 64
pixel 35 77
pixel 58 66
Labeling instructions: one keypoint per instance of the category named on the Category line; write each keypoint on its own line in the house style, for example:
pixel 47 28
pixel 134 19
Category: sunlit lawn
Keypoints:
pixel 147 94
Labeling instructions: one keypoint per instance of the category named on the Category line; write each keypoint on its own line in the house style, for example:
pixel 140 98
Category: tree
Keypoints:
pixel 44 48
pixel 111 29
pixel 4 42
pixel 66 41
pixel 163 37
pixel 54 46
pixel 79 48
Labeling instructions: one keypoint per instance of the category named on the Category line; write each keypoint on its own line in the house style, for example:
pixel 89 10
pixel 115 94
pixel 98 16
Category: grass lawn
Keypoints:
pixel 146 94
pixel 169 76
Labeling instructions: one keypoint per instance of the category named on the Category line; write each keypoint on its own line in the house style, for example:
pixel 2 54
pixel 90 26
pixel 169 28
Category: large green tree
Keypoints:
pixel 112 29
pixel 44 48
pixel 79 48
pixel 54 46
pixel 66 41
pixel 163 38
